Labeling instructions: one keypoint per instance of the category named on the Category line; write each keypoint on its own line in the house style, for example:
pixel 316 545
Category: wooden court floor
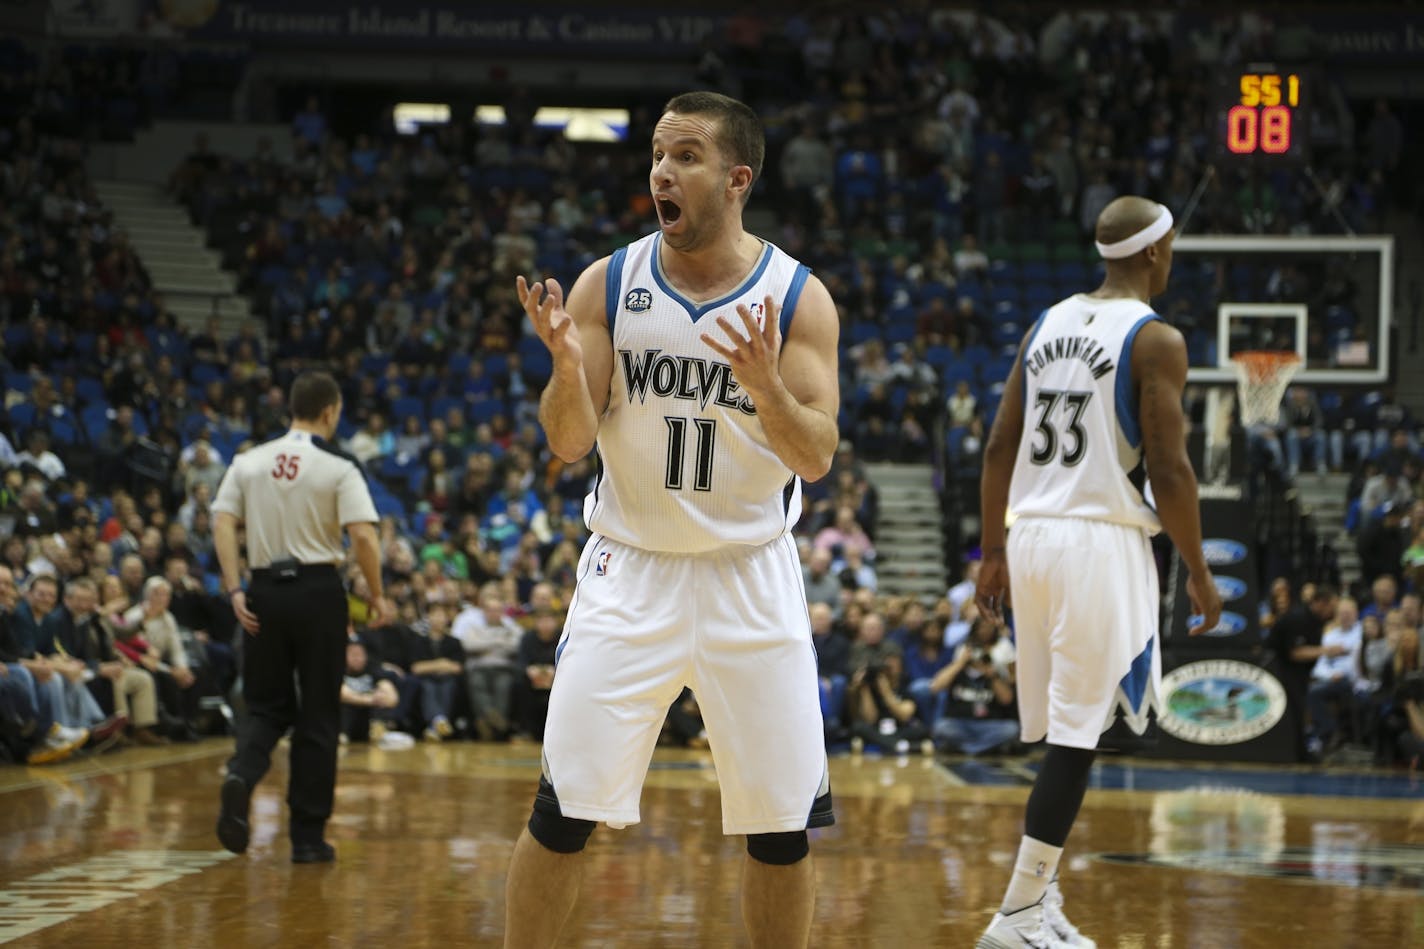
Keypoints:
pixel 119 851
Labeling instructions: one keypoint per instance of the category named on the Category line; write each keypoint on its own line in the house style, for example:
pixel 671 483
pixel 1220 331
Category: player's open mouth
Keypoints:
pixel 668 212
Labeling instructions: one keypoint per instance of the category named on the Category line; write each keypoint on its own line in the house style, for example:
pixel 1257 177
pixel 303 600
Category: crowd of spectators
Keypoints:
pixel 1353 672
pixel 940 172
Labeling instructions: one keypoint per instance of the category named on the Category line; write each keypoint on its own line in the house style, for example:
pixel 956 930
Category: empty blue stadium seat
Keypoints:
pixel 22 416
pixel 483 410
pixel 1007 333
pixel 1006 293
pixel 957 372
pixel 204 374
pixel 88 390
pixel 864 332
pixel 901 332
pixel 940 356
pixel 406 406
pixel 441 406
pixel 977 355
pixel 538 365
pixel 374 364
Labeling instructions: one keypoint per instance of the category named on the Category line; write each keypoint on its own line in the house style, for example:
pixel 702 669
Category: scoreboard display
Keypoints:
pixel 1263 114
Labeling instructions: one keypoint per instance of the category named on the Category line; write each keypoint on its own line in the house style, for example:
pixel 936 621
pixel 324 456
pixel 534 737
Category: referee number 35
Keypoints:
pixel 287 467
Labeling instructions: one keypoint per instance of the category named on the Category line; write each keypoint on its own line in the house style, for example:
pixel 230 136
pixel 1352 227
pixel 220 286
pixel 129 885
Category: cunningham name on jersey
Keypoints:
pixel 1081 450
pixel 684 464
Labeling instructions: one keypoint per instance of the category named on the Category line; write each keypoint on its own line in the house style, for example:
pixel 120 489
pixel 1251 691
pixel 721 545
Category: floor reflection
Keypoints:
pixel 918 857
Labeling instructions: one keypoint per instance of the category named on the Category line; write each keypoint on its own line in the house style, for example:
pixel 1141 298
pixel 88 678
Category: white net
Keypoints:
pixel 1261 380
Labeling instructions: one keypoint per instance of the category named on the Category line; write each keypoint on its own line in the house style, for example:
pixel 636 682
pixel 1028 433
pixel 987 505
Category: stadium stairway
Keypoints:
pixel 909 540
pixel 1323 499
pixel 184 270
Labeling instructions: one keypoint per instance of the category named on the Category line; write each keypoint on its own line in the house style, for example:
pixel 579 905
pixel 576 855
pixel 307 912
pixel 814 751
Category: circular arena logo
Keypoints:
pixel 1220 702
pixel 1223 552
pixel 1229 588
pixel 1230 624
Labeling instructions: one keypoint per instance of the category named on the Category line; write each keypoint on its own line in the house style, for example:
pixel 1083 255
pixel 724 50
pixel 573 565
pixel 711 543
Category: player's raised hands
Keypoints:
pixel 755 358
pixel 545 306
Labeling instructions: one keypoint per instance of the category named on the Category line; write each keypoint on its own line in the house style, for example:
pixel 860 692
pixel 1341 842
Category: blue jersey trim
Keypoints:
pixel 695 311
pixel 793 296
pixel 597 541
pixel 613 287
pixel 1134 684
pixel 1126 398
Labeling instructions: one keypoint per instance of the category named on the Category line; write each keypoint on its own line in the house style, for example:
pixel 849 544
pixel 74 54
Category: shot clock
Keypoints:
pixel 1264 114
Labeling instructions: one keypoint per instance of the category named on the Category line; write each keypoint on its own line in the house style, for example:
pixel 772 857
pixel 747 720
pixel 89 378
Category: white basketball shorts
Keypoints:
pixel 733 627
pixel 1085 605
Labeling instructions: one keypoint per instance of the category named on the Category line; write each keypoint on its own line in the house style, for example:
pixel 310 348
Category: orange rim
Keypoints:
pixel 1262 366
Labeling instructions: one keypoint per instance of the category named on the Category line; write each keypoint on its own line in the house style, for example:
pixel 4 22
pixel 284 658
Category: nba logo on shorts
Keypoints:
pixel 602 568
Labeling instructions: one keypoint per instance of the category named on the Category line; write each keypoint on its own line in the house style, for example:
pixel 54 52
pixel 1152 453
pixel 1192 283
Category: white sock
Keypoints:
pixel 1036 867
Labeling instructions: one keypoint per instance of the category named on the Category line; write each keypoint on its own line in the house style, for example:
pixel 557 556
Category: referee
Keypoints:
pixel 294 494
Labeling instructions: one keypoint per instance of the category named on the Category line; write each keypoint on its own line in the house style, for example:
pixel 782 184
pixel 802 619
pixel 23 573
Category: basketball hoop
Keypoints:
pixel 1261 380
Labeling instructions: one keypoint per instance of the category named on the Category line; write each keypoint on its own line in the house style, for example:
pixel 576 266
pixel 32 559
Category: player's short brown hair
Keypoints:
pixel 312 394
pixel 739 132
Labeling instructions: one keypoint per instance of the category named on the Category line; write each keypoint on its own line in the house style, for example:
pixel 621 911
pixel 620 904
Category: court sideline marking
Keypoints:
pixel 96 768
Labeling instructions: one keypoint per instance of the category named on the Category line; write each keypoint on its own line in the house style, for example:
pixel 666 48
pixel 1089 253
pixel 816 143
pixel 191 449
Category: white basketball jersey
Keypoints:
pixel 684 465
pixel 1082 444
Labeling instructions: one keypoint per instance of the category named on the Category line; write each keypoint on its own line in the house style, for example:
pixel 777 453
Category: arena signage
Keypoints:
pixel 1229 589
pixel 1223 552
pixel 447 24
pixel 1230 624
pixel 1220 702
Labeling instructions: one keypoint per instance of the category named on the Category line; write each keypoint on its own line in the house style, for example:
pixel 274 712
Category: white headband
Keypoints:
pixel 1142 240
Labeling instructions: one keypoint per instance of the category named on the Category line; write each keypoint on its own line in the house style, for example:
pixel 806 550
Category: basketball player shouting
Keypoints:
pixel 700 362
pixel 1102 376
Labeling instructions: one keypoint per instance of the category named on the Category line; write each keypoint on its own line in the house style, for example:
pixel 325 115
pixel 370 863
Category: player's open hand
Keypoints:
pixel 244 613
pixel 991 594
pixel 545 306
pixel 1206 602
pixel 383 613
pixel 756 357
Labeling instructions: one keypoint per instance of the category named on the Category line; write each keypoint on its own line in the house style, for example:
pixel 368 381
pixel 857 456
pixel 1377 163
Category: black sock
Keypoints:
pixel 1058 793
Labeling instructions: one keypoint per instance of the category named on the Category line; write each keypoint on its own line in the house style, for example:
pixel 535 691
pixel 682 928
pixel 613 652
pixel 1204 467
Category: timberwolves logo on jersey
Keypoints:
pixel 638 300
pixel 682 377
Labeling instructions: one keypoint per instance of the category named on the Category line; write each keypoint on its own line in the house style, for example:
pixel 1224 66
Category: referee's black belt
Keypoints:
pixel 287 571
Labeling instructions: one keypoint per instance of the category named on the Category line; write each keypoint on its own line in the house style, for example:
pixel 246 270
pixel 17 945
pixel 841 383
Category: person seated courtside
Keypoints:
pixel 368 697
pixel 437 664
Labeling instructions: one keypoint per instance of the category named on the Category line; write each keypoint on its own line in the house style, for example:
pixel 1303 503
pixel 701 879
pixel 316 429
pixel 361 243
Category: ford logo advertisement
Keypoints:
pixel 1229 588
pixel 1231 624
pixel 1221 552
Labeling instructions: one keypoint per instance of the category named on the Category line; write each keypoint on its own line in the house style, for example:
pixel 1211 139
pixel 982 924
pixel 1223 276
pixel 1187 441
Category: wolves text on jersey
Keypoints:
pixel 1086 348
pixel 683 377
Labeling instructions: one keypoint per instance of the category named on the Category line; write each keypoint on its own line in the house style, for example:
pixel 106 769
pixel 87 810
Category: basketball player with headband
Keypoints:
pixel 1103 377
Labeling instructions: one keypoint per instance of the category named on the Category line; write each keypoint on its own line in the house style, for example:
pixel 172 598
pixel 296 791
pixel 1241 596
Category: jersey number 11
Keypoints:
pixel 677 442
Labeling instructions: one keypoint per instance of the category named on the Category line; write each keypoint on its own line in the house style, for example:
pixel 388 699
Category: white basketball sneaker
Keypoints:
pixel 1024 929
pixel 1057 922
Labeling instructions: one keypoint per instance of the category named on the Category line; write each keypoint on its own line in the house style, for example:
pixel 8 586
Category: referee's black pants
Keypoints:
pixel 292 673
